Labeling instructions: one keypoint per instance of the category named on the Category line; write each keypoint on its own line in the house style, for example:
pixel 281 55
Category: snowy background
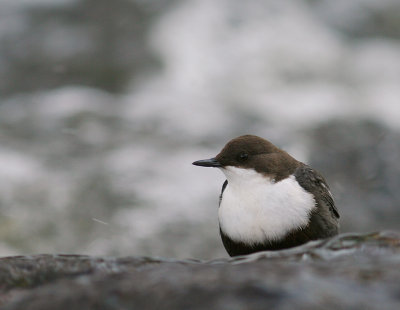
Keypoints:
pixel 104 105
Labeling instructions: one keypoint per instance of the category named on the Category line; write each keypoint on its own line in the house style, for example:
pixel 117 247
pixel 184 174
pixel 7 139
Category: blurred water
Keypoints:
pixel 101 114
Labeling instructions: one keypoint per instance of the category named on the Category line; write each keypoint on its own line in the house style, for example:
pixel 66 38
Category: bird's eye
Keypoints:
pixel 243 156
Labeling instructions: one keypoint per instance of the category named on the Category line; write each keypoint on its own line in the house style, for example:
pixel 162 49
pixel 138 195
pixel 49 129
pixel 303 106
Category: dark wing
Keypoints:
pixel 313 182
pixel 222 191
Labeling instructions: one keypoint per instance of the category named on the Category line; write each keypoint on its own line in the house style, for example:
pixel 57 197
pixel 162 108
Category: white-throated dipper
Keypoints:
pixel 270 201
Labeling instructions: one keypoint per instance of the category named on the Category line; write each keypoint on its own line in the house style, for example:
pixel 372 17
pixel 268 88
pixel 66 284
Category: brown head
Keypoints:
pixel 252 152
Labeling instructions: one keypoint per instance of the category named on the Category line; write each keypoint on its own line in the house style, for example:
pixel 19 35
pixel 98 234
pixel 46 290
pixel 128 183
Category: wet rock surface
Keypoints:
pixel 351 271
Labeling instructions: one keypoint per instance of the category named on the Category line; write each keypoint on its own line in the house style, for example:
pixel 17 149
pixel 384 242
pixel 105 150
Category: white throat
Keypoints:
pixel 255 209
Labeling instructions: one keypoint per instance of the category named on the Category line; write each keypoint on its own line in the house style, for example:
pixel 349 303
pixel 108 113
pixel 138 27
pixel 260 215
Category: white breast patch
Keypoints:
pixel 254 209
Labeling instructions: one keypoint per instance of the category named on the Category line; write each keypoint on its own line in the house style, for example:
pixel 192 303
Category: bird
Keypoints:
pixel 269 200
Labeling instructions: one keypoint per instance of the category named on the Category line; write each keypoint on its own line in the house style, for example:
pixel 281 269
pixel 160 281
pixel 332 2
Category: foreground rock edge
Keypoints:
pixel 33 270
pixel 357 258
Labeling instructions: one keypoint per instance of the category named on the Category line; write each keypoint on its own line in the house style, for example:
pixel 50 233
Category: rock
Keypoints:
pixel 357 271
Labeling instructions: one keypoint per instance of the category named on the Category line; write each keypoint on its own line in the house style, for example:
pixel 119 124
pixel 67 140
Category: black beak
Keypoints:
pixel 212 162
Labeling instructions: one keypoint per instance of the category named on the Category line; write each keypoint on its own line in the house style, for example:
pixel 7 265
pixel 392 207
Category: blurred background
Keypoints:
pixel 104 105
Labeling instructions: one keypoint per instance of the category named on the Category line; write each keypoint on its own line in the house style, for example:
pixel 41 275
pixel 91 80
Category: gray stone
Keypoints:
pixel 351 271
